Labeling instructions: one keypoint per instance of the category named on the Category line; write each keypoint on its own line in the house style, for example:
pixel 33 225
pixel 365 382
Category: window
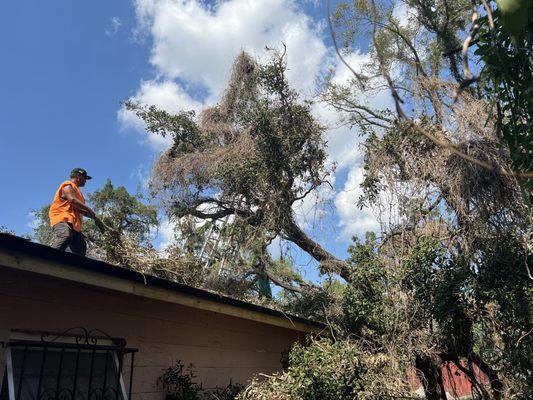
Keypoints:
pixel 66 367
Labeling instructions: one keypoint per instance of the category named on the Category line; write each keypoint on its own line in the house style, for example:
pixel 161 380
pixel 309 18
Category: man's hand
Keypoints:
pixel 99 224
pixel 69 194
pixel 89 214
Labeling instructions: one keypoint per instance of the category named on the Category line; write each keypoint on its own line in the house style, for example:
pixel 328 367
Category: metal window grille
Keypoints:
pixel 73 365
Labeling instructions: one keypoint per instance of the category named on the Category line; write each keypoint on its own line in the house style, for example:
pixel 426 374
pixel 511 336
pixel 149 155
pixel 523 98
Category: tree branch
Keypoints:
pixel 216 215
pixel 328 262
pixel 458 49
pixel 402 115
pixel 360 78
pixel 223 210
pixel 279 282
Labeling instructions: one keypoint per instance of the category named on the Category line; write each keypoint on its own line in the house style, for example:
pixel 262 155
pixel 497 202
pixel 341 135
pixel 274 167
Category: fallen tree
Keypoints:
pixel 245 161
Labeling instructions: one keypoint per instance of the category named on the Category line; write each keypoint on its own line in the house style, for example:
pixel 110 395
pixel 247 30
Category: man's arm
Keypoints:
pixel 69 194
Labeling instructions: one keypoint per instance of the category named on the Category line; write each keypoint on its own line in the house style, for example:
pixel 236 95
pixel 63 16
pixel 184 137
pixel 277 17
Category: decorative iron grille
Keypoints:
pixel 77 364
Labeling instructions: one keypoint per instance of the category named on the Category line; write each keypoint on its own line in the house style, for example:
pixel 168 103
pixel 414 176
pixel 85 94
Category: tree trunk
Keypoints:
pixel 328 262
pixel 431 377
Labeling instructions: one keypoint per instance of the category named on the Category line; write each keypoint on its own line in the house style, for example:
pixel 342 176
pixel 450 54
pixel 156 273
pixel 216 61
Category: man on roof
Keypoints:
pixel 67 211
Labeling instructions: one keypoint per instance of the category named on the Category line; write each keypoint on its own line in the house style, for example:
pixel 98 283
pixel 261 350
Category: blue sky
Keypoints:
pixel 61 80
pixel 67 65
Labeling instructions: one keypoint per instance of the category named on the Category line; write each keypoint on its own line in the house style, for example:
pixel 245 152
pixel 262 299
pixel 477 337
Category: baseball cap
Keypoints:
pixel 80 171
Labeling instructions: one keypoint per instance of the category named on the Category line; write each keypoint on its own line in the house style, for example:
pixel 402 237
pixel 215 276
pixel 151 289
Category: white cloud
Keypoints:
pixel 142 175
pixel 32 220
pixel 342 142
pixel 198 43
pixel 114 26
pixel 403 13
pixel 354 221
pixel 166 234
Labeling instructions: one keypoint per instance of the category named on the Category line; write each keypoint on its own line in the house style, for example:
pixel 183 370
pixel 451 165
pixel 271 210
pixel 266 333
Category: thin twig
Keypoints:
pixel 468 42
pixel 523 336
pixel 329 324
pixel 360 78
pixel 528 271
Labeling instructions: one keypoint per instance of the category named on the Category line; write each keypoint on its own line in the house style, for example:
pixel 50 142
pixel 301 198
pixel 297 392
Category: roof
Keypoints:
pixel 22 254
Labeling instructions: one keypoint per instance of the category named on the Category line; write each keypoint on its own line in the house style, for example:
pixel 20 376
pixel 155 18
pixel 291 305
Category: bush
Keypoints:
pixel 331 370
pixel 177 382
pixel 228 393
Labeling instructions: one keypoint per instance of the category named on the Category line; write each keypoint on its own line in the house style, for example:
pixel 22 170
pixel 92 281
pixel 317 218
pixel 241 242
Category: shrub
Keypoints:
pixel 177 382
pixel 331 370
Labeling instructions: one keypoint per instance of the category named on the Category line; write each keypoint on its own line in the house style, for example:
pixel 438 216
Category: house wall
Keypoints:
pixel 220 347
pixel 456 383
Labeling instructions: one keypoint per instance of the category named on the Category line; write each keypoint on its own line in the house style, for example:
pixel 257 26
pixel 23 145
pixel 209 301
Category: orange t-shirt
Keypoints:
pixel 61 209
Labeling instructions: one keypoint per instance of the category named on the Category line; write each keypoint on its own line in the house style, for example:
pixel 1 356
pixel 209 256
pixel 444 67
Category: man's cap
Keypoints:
pixel 80 171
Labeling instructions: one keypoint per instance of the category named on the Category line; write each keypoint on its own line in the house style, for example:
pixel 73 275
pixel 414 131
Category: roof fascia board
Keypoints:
pixel 24 262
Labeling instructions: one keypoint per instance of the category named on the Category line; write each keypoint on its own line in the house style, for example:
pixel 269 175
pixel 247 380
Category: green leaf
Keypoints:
pixel 514 16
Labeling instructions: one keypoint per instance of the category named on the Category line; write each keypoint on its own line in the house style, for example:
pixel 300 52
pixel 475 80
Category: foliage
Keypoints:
pixel 42 233
pixel 515 16
pixel 503 312
pixel 362 304
pixel 507 78
pixel 449 166
pixel 331 370
pixel 317 303
pixel 124 212
pixel 443 282
pixel 245 161
pixel 178 383
pixel 229 392
pixel 126 215
pixel 5 229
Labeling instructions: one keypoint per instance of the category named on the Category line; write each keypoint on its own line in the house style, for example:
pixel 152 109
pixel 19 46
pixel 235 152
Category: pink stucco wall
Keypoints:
pixel 220 347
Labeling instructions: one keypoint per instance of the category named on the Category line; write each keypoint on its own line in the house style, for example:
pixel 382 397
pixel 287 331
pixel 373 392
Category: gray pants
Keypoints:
pixel 64 236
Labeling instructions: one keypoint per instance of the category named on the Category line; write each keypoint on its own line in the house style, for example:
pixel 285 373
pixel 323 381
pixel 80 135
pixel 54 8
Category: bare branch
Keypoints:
pixel 279 282
pixel 215 215
pixel 467 43
pixel 360 78
pixel 464 53
pixel 489 13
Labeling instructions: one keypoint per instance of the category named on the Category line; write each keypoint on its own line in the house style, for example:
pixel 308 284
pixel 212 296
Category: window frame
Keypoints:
pixel 78 339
